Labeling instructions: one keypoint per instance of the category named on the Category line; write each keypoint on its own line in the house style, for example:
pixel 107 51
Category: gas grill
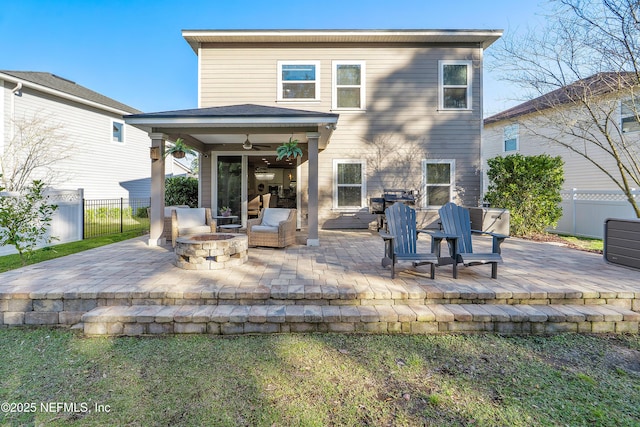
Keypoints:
pixel 377 205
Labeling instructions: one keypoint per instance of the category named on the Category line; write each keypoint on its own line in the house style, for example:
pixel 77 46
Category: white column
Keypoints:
pixel 312 208
pixel 156 217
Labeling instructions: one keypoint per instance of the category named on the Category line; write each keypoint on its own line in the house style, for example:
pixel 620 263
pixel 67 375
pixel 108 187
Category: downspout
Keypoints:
pixel 17 90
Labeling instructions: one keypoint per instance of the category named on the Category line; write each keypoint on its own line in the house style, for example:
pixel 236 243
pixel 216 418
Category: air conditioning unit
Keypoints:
pixel 622 242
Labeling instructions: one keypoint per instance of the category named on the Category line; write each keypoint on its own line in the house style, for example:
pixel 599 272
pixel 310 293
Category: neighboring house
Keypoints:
pixel 371 109
pixel 180 167
pixel 527 127
pixel 103 154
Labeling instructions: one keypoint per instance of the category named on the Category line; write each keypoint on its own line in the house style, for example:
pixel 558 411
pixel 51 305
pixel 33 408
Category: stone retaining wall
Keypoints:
pixel 66 310
pixel 423 319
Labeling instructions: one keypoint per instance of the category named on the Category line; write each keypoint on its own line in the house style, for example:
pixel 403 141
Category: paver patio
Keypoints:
pixel 132 289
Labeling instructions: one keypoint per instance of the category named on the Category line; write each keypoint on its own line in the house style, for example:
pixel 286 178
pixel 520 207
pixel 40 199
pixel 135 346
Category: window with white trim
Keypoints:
pixel 349 191
pixel 438 177
pixel 455 85
pixel 510 137
pixel 298 80
pixel 630 116
pixel 117 130
pixel 348 85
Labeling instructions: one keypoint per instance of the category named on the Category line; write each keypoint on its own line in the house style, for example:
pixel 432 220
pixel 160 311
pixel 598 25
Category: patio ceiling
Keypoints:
pixel 226 128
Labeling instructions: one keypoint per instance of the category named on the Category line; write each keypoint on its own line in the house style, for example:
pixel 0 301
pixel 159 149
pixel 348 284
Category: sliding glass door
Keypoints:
pixel 230 184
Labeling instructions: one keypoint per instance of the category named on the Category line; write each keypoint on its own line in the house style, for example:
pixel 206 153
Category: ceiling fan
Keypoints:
pixel 248 145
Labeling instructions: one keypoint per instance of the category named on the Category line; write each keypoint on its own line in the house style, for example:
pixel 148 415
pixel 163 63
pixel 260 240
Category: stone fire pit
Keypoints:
pixel 213 251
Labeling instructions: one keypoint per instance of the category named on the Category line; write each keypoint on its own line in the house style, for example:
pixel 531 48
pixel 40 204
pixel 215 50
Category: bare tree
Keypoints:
pixel 584 66
pixel 36 145
pixel 391 163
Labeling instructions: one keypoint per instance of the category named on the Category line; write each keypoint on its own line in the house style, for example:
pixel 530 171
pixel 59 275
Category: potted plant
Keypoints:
pixel 289 149
pixel 179 149
pixel 225 211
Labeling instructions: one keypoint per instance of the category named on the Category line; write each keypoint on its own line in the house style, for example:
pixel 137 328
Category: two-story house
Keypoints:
pixel 98 151
pixel 583 122
pixel 372 109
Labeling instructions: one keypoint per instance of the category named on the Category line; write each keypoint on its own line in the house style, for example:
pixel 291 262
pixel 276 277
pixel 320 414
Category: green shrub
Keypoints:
pixel 529 187
pixel 181 190
pixel 25 219
pixel 142 212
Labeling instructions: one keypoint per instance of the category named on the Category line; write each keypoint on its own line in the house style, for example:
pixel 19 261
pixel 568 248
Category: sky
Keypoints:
pixel 133 50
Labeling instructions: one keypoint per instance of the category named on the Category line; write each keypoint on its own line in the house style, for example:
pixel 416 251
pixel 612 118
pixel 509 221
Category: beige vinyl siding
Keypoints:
pixel 578 172
pixel 401 104
pixel 102 167
pixel 205 181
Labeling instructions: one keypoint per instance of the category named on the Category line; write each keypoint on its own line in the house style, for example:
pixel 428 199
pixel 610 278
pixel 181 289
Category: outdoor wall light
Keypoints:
pixel 154 153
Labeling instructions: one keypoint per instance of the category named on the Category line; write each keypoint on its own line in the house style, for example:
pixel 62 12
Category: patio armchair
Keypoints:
pixel 456 222
pixel 275 227
pixel 401 239
pixel 167 219
pixel 257 203
pixel 186 221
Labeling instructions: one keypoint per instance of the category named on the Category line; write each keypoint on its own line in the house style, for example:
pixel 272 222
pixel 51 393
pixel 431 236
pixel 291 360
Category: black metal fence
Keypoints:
pixel 111 216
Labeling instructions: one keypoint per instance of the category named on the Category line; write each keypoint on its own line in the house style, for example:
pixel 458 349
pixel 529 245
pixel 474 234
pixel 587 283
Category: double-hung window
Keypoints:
pixel 438 182
pixel 630 115
pixel 510 137
pixel 455 85
pixel 298 80
pixel 348 85
pixel 349 191
pixel 117 131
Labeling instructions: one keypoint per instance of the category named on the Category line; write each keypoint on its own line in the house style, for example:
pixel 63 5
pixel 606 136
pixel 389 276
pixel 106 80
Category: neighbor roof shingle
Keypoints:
pixel 54 82
pixel 596 85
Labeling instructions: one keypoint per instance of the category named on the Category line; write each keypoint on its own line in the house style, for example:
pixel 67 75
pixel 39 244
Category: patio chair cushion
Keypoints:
pixel 168 209
pixel 272 217
pixel 187 231
pixel 264 228
pixel 190 218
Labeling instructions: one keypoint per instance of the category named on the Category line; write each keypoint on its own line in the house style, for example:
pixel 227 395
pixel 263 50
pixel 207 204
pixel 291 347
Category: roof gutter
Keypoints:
pixel 23 83
pixel 231 121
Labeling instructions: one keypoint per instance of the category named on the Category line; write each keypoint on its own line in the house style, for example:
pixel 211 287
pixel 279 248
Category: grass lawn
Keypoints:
pixel 584 243
pixel 322 380
pixel 10 262
pixel 106 227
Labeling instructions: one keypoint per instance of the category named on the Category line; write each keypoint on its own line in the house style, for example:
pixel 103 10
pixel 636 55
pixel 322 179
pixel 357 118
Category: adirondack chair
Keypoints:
pixel 401 239
pixel 455 222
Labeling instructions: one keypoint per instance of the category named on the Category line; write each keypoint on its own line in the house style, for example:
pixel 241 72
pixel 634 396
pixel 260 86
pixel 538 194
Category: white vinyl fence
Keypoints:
pixel 585 211
pixel 67 221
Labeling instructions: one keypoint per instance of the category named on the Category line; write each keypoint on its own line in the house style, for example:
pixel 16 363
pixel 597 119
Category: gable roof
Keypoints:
pixel 596 85
pixel 483 38
pixel 43 80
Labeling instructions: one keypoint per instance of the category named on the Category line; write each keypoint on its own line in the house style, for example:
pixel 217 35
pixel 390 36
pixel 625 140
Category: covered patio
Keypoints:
pixel 130 289
pixel 234 135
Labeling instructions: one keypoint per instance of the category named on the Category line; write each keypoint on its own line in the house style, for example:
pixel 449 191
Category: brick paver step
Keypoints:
pixel 420 319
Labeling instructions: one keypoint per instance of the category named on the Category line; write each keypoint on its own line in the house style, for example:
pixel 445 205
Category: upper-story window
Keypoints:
pixel 117 131
pixel 298 80
pixel 349 85
pixel 455 85
pixel 630 116
pixel 510 137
